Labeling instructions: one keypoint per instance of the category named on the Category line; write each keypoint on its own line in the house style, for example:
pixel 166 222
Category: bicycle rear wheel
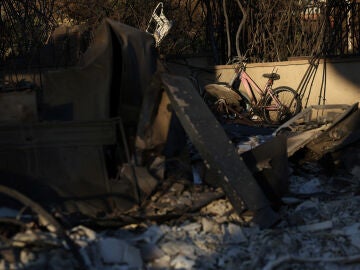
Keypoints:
pixel 290 101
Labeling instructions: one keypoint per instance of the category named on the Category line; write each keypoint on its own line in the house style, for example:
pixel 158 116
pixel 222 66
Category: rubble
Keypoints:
pixel 322 128
pixel 318 229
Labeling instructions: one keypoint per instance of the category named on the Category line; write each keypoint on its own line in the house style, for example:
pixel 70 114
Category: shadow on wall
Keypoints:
pixel 330 81
pixel 347 68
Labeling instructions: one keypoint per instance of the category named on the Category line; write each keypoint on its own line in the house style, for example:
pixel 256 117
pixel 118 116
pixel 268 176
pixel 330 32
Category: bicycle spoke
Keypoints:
pixel 281 106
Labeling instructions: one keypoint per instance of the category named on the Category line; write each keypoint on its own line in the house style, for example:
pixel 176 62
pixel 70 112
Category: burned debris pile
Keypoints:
pixel 119 162
pixel 319 228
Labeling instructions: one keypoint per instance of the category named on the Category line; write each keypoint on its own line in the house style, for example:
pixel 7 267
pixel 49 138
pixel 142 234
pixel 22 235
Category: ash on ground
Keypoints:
pixel 187 226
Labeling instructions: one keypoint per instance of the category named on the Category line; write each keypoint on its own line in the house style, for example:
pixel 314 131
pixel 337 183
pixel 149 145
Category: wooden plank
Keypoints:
pixel 217 150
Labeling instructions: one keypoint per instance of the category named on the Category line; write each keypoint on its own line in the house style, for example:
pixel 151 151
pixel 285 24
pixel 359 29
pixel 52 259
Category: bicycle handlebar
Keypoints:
pixel 237 60
pixel 239 63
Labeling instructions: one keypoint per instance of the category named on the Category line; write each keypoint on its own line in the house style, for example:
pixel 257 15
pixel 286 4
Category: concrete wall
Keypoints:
pixel 342 78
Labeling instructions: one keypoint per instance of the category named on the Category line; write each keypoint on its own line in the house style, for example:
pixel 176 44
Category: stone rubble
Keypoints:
pixel 319 229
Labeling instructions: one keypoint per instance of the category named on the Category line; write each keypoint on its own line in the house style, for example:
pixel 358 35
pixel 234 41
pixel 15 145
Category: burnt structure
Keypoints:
pixel 90 134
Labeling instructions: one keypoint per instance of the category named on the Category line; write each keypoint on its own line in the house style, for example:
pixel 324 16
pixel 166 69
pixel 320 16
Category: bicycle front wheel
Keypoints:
pixel 283 105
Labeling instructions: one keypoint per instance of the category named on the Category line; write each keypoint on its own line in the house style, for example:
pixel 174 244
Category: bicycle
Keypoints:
pixel 274 106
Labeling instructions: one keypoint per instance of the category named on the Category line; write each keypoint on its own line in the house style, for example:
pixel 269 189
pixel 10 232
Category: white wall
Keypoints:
pixel 342 78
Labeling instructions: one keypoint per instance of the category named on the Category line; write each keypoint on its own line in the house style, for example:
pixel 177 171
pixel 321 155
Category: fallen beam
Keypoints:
pixel 218 152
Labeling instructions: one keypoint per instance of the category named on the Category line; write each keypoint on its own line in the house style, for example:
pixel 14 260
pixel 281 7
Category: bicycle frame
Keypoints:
pixel 250 84
pixel 274 106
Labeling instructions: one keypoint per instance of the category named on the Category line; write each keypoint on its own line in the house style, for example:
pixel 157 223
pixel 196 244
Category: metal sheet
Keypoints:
pixel 343 133
pixel 311 123
pixel 217 150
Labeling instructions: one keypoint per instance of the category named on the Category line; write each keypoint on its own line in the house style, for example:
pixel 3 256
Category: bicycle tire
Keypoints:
pixel 214 91
pixel 291 101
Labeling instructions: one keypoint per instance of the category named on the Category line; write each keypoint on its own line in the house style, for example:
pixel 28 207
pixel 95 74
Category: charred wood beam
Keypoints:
pixel 218 151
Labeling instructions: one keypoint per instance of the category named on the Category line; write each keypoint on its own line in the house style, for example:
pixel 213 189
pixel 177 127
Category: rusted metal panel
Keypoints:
pixel 217 150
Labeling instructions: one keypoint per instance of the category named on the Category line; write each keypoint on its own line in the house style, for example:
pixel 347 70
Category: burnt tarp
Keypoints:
pixel 88 115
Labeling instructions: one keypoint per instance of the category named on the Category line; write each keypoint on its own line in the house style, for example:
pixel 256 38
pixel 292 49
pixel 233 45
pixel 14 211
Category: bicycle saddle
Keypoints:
pixel 273 76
